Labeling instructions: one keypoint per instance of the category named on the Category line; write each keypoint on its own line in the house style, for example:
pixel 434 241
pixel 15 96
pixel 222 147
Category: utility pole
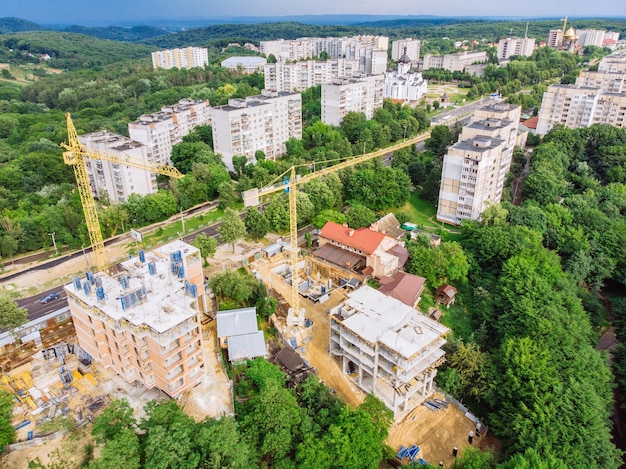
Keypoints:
pixel 182 220
pixel 54 242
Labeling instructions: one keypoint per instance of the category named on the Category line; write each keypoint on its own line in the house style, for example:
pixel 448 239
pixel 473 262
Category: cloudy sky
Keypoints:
pixel 105 11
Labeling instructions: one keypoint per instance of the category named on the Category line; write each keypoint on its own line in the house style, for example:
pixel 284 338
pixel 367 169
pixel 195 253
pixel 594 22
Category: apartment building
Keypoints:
pixel 454 62
pixel 262 122
pixel 144 321
pixel 387 347
pixel 115 180
pixel 597 97
pixel 188 57
pixel 359 94
pixel 511 46
pixel 160 131
pixel 409 47
pixel 298 76
pixel 475 168
pixel 370 51
pixel 403 83
pixel 555 38
pixel 590 37
pixel 245 64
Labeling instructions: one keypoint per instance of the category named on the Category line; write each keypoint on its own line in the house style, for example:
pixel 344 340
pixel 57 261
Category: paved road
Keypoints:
pixel 37 309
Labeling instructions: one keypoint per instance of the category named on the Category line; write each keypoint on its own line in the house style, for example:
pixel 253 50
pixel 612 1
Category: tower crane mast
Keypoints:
pixel 75 156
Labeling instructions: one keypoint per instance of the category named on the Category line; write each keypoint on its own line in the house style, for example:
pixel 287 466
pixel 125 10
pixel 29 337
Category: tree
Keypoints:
pixel 360 216
pixel 473 458
pixel 440 139
pixel 122 450
pixel 235 285
pixel 227 196
pixel 328 215
pixel 256 222
pixel 222 446
pixel 239 163
pixel 471 366
pixel 118 416
pixel 231 228
pixel 266 306
pixel 7 433
pixel 206 244
pixel 11 315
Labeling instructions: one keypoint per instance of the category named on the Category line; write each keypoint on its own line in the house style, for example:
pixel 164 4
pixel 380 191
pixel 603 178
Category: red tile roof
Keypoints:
pixel 362 239
pixel 532 122
pixel 404 287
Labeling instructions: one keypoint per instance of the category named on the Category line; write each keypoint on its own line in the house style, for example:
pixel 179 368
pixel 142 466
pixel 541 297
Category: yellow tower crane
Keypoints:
pixel 251 198
pixel 75 156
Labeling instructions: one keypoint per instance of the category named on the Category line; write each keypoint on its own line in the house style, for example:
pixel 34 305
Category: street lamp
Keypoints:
pixel 54 242
pixel 404 138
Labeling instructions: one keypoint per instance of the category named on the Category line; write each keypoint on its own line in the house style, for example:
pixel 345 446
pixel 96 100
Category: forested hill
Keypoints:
pixel 118 33
pixel 15 25
pixel 71 51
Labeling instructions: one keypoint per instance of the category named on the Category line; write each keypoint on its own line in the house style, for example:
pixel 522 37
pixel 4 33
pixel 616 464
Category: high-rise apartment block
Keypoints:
pixel 590 37
pixel 188 57
pixel 117 181
pixel 391 349
pixel 475 168
pixel 409 47
pixel 597 97
pixel 511 46
pixel 160 131
pixel 359 94
pixel 144 321
pixel 263 122
pixel 454 62
pixel 555 38
pixel 370 51
pixel 298 76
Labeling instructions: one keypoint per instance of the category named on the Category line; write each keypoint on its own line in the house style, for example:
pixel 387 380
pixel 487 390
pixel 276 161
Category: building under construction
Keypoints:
pixel 144 321
pixel 388 348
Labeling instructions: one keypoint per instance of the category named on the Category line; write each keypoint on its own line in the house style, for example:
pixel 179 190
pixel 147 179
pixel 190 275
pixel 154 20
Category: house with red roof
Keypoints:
pixel 369 252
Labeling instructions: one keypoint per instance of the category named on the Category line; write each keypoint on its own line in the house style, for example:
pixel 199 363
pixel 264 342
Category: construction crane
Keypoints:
pixel 251 198
pixel 75 156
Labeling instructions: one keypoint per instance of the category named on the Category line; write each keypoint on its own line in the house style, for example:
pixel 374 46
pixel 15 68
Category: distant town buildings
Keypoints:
pixel 590 37
pixel 475 168
pixel 388 348
pixel 160 131
pixel 298 76
pixel 555 38
pixel 456 62
pixel 409 47
pixel 359 94
pixel 404 84
pixel 188 57
pixel 370 51
pixel 245 64
pixel 144 321
pixel 511 46
pixel 597 97
pixel 262 122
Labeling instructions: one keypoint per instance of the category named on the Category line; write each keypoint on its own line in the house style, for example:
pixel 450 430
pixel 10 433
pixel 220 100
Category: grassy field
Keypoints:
pixel 456 318
pixel 175 229
pixel 24 73
pixel 419 211
pixel 455 94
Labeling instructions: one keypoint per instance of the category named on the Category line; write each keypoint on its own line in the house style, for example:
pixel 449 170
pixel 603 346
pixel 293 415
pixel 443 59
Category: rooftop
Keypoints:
pixel 245 61
pixel 362 239
pixel 236 322
pixel 404 287
pixel 144 293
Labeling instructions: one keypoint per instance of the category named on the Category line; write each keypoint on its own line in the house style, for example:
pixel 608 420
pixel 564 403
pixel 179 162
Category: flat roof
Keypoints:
pixel 245 60
pixel 380 318
pixel 469 144
pixel 158 300
pixel 246 346
pixel 236 322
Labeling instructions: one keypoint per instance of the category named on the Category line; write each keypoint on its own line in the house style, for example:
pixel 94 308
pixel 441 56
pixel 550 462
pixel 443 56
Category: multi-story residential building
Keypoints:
pixel 144 322
pixel 590 37
pixel 390 348
pixel 298 76
pixel 160 131
pixel 359 94
pixel 116 180
pixel 188 57
pixel 597 97
pixel 610 39
pixel 555 38
pixel 475 168
pixel 409 47
pixel 404 84
pixel 245 64
pixel 371 51
pixel 511 46
pixel 262 122
pixel 454 62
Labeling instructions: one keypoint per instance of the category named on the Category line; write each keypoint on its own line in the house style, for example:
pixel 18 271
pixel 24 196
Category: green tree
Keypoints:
pixel 222 446
pixel 227 196
pixel 473 458
pixel 440 139
pixel 11 315
pixel 7 433
pixel 256 222
pixel 206 244
pixel 121 450
pixel 328 215
pixel 231 228
pixel 118 416
pixel 360 216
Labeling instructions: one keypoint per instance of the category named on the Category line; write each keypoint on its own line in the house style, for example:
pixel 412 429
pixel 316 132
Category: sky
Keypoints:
pixel 108 11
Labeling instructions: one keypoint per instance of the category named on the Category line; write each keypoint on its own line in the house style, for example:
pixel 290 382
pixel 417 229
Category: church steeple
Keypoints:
pixel 405 58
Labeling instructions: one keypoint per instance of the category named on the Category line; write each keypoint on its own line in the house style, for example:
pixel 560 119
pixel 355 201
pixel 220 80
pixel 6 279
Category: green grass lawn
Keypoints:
pixel 457 319
pixel 419 211
pixel 191 224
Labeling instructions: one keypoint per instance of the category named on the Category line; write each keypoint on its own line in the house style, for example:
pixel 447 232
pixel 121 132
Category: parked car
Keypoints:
pixel 50 297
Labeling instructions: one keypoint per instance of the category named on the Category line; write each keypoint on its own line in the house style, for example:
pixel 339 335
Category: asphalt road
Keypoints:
pixel 37 309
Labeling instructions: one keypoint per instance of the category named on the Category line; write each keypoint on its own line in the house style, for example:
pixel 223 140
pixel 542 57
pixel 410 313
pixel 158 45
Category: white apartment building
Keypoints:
pixel 555 38
pixel 359 94
pixel 244 64
pixel 404 84
pixel 116 180
pixel 454 62
pixel 590 37
pixel 409 47
pixel 597 97
pixel 371 51
pixel 511 46
pixel 263 122
pixel 160 131
pixel 388 348
pixel 298 76
pixel 188 57
pixel 475 168
pixel 144 322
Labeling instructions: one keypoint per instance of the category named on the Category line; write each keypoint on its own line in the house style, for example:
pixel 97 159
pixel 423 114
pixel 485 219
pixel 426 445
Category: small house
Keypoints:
pixel 446 294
